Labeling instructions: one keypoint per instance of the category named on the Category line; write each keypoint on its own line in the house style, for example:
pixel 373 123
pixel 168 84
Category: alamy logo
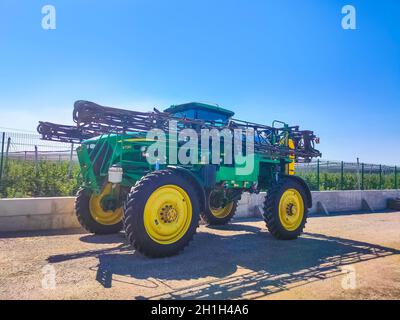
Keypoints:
pixel 49 277
pixel 349 20
pixel 188 146
pixel 349 281
pixel 49 18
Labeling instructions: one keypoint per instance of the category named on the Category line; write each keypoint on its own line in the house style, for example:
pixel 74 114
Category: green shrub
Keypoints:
pixel 332 181
pixel 47 179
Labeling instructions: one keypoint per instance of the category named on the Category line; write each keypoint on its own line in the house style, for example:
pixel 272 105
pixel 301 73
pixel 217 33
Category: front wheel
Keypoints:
pixel 100 214
pixel 285 210
pixel 162 214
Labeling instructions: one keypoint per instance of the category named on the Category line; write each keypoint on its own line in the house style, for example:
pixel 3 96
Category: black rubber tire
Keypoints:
pixel 86 220
pixel 134 210
pixel 271 209
pixel 212 220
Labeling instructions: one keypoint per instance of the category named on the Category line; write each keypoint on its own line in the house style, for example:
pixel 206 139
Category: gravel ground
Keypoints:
pixel 338 257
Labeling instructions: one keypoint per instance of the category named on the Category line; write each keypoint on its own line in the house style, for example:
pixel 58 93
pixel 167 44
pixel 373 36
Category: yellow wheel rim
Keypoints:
pixel 221 212
pixel 291 209
pixel 167 214
pixel 105 217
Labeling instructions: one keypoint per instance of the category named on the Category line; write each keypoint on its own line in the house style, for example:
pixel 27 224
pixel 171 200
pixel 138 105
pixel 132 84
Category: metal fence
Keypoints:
pixel 30 166
pixel 33 167
pixel 339 175
pixel 29 146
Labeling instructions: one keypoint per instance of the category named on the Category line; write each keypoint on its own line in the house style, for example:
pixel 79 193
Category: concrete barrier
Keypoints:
pixel 37 214
pixel 336 201
pixel 339 201
pixel 58 213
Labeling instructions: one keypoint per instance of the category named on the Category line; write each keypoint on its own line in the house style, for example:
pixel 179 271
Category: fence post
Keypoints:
pixel 342 176
pixel 380 176
pixel 362 176
pixel 358 174
pixel 36 159
pixel 7 150
pixel 2 155
pixel 70 161
pixel 317 174
pixel 395 177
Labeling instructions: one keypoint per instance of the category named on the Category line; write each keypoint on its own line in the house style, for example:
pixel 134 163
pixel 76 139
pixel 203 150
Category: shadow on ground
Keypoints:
pixel 40 233
pixel 268 265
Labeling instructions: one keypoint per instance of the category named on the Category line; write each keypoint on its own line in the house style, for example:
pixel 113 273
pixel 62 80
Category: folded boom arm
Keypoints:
pixel 93 120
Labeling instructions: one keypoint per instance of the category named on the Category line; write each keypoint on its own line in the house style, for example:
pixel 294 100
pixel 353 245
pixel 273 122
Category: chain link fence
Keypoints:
pixel 339 175
pixel 30 167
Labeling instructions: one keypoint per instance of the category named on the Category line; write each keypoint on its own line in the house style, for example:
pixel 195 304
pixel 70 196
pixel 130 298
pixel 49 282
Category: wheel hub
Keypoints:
pixel 217 201
pixel 108 203
pixel 291 209
pixel 168 214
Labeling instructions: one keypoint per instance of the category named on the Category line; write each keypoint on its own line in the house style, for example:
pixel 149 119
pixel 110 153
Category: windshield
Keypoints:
pixel 202 114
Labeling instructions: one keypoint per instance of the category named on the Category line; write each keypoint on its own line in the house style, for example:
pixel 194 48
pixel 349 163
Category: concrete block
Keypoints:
pixel 259 212
pixel 349 200
pixel 244 200
pixel 248 204
pixel 321 208
pixel 37 214
pixel 36 206
pixel 365 205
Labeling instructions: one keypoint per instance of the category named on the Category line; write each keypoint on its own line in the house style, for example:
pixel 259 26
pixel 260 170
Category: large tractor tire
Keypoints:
pixel 216 214
pixel 285 209
pixel 94 216
pixel 161 214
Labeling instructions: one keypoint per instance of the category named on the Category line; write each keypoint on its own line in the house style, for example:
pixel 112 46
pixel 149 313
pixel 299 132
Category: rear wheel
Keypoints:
pixel 162 214
pixel 285 210
pixel 102 213
pixel 217 211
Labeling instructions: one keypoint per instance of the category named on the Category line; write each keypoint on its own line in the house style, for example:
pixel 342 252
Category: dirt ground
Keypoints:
pixel 352 256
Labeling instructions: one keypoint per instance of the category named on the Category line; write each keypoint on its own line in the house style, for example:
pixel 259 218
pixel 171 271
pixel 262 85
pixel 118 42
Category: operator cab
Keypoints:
pixel 203 111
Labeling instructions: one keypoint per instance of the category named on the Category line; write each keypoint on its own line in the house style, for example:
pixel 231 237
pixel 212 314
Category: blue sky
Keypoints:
pixel 266 60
